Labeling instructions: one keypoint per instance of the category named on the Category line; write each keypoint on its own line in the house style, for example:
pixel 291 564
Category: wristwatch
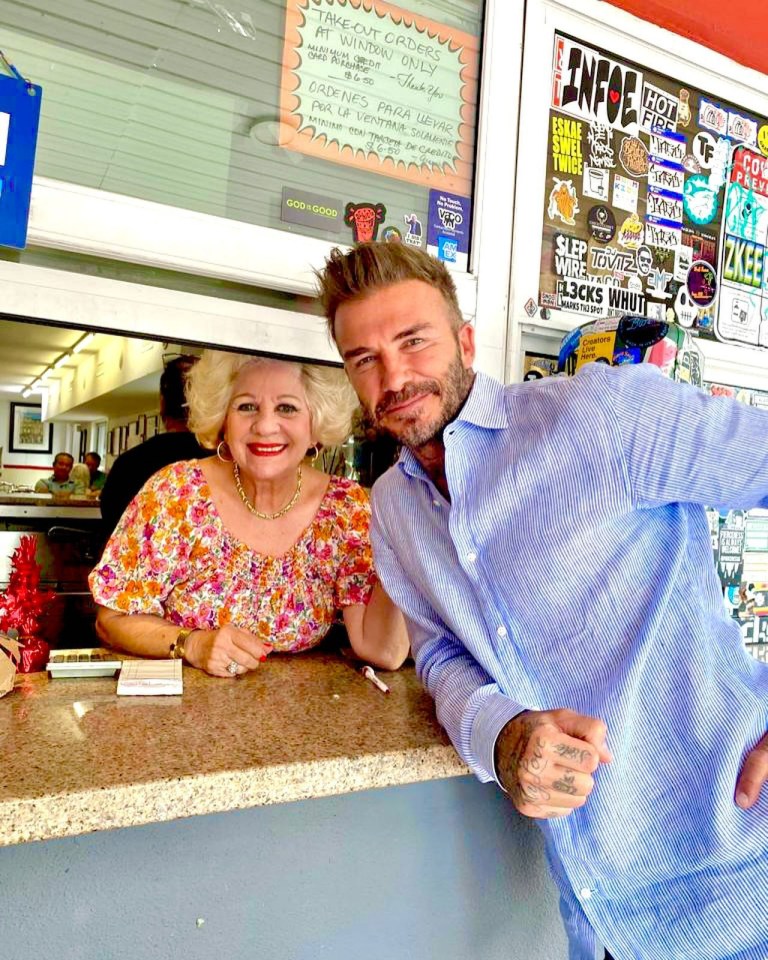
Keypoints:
pixel 176 650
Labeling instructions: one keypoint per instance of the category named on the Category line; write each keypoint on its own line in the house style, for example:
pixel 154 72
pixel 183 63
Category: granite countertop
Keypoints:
pixel 75 757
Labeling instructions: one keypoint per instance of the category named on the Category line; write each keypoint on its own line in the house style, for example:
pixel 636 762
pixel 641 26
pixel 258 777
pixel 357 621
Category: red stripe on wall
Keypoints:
pixel 738 29
pixel 25 466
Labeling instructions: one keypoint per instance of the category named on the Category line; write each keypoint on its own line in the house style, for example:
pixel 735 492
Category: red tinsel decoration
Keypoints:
pixel 23 604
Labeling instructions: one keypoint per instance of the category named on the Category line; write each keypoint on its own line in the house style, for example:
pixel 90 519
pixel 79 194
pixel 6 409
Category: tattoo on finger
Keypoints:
pixel 571 753
pixel 566 784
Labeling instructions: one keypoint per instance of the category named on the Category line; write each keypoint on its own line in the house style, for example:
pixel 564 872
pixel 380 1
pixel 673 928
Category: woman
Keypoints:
pixel 223 560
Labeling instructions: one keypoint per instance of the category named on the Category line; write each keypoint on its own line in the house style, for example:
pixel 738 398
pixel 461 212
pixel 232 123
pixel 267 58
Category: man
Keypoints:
pixel 59 481
pixel 133 468
pixel 98 477
pixel 548 545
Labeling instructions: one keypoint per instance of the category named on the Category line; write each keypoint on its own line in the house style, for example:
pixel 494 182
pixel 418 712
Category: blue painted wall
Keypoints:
pixel 436 871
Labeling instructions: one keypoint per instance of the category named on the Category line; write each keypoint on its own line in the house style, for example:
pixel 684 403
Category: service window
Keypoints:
pixel 337 119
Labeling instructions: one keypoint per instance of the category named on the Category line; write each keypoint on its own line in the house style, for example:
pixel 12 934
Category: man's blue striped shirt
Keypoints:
pixel 573 568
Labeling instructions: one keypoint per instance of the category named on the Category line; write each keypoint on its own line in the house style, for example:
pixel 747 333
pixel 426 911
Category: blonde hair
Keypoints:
pixel 370 266
pixel 209 384
pixel 80 475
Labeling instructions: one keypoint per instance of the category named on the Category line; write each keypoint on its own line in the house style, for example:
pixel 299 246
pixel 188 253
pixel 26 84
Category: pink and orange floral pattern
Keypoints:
pixel 171 556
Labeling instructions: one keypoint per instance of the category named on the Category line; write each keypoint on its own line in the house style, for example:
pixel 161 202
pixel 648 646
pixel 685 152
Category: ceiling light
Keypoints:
pixel 26 393
pixel 83 343
pixel 61 361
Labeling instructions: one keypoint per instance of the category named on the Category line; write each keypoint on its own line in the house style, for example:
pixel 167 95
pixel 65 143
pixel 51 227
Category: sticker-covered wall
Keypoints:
pixel 656 199
pixel 720 26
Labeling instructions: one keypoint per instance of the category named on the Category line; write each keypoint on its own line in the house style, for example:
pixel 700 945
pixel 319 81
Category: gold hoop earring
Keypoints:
pixel 223 443
pixel 315 455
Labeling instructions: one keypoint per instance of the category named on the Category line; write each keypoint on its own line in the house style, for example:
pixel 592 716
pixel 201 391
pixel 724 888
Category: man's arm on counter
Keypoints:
pixel 470 705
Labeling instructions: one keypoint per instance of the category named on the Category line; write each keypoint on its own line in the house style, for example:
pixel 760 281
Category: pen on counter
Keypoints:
pixel 370 675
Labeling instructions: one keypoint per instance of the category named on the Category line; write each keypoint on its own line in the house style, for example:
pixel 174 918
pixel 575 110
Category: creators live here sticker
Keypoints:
pixel 448 228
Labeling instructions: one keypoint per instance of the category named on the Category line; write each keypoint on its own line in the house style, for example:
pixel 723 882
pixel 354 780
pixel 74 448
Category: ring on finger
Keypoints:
pixel 233 668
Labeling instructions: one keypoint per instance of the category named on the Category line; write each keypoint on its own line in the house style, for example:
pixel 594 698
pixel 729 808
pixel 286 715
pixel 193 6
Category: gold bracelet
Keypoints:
pixel 176 650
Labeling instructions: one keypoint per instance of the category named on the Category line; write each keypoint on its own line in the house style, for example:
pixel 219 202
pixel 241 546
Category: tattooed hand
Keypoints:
pixel 545 759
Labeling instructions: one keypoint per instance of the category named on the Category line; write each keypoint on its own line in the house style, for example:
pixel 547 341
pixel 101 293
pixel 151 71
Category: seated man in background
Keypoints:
pixel 133 468
pixel 98 477
pixel 59 481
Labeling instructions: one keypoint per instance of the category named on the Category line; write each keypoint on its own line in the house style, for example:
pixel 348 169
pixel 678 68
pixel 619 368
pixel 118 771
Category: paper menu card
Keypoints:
pixel 150 678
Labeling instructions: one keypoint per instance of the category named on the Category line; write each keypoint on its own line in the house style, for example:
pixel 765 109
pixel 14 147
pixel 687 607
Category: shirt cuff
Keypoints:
pixel 494 714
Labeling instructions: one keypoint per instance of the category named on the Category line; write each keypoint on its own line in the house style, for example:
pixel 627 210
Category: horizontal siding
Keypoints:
pixel 157 102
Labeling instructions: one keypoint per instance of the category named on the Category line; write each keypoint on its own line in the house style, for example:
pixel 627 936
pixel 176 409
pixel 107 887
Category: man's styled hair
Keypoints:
pixel 172 383
pixel 371 266
pixel 96 456
pixel 64 453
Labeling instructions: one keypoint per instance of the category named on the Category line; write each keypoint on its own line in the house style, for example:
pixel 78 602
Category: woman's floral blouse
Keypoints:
pixel 171 556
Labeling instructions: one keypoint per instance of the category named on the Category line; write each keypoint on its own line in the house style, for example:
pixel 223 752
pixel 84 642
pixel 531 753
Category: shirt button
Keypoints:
pixel 585 893
pixel 501 631
pixel 471 556
pixel 436 503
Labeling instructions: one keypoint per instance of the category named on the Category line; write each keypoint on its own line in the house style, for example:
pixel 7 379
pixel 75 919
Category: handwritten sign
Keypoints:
pixel 369 85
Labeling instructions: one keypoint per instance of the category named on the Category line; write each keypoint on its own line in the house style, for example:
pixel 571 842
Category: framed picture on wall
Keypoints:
pixel 27 432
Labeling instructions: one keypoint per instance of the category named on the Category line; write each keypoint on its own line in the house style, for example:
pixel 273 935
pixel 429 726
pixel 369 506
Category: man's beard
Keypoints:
pixel 412 431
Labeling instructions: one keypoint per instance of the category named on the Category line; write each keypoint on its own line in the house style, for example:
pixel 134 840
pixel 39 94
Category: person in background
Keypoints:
pixel 548 545
pixel 97 477
pixel 80 476
pixel 132 469
pixel 224 560
pixel 59 481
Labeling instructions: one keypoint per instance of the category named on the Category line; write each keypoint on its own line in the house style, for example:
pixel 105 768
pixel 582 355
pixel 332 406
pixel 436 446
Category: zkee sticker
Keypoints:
pixel 588 85
pixel 743 262
pixel 563 202
pixel 364 219
pixel 530 307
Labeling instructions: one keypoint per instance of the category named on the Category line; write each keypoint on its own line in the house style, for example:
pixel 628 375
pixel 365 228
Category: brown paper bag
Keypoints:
pixel 8 649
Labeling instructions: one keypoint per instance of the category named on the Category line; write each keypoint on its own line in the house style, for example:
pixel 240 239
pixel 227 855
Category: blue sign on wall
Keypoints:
pixel 19 120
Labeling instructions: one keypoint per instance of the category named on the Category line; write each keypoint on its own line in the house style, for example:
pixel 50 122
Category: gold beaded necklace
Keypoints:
pixel 257 513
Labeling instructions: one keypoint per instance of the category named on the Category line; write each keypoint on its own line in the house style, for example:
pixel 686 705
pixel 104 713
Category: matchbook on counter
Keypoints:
pixel 148 678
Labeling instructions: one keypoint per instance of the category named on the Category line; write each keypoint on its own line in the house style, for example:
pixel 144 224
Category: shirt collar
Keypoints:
pixel 484 407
